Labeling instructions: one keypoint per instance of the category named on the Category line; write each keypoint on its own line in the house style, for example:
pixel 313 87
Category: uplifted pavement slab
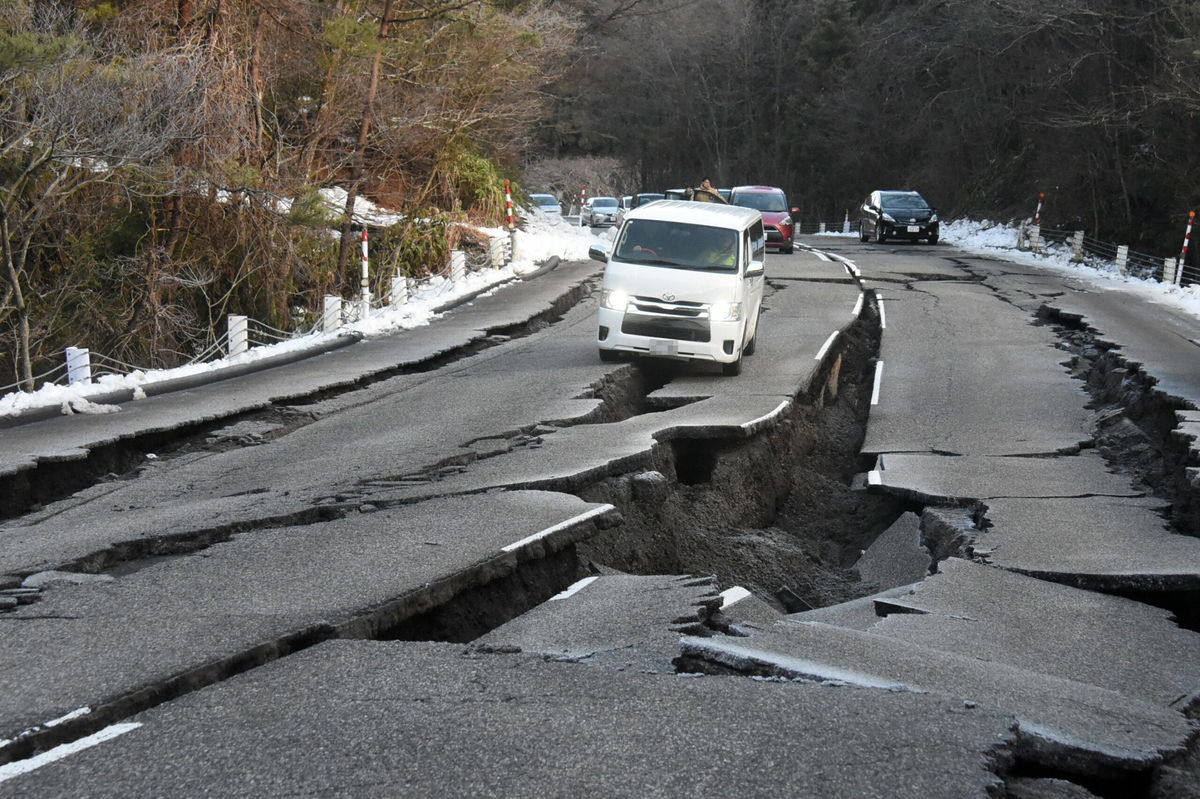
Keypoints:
pixel 857 614
pixel 1061 723
pixel 1102 543
pixel 992 614
pixel 619 621
pixel 74 437
pixel 986 380
pixel 954 480
pixel 411 719
pixel 189 620
pixel 896 557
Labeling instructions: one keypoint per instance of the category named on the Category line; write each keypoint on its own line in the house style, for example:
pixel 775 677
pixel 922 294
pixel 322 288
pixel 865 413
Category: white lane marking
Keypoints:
pixel 878 380
pixel 74 714
pixel 16 769
pixel 822 256
pixel 778 410
pixel 858 304
pixel 874 478
pixel 560 526
pixel 574 588
pixel 825 347
pixel 732 595
pixel 882 313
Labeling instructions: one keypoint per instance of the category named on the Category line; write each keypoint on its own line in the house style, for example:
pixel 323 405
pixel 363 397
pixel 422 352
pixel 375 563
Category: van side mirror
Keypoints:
pixel 754 268
pixel 598 252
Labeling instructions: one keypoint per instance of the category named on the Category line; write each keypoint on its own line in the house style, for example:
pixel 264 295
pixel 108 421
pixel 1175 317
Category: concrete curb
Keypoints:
pixel 124 395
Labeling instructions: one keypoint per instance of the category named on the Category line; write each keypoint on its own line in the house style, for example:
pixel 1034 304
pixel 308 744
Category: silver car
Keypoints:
pixel 547 204
pixel 599 211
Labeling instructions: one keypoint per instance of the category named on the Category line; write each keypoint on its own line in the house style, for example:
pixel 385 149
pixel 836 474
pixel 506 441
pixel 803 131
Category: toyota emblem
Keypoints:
pixel 668 297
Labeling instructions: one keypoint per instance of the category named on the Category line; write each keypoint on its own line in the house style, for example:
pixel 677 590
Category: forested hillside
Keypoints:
pixel 160 162
pixel 980 104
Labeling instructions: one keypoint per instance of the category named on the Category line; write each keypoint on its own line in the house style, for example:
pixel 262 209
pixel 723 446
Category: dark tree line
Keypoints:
pixel 980 104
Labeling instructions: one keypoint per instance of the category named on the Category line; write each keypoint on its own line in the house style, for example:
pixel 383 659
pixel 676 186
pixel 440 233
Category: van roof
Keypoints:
pixel 711 214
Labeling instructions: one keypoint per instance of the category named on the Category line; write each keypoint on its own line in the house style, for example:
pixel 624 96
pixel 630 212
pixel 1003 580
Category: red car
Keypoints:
pixel 776 214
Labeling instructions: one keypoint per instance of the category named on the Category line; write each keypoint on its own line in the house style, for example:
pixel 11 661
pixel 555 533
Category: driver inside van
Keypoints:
pixel 720 249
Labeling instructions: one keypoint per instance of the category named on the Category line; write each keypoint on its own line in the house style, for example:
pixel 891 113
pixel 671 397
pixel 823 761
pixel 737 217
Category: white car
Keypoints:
pixel 547 204
pixel 599 211
pixel 683 280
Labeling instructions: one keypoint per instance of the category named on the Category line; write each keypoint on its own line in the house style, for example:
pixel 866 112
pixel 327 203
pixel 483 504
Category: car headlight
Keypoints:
pixel 888 218
pixel 933 219
pixel 616 300
pixel 787 220
pixel 725 311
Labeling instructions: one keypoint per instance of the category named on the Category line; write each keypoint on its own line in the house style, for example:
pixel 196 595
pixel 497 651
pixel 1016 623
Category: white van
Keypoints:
pixel 683 280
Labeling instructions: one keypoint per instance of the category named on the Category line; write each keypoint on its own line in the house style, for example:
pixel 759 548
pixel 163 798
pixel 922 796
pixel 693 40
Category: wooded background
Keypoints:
pixel 160 160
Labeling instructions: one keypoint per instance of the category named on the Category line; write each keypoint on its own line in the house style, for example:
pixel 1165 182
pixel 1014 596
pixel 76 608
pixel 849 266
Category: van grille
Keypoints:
pixel 664 327
pixel 653 305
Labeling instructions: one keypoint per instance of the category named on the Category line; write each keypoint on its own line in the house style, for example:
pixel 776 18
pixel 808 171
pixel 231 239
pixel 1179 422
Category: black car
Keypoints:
pixel 897 215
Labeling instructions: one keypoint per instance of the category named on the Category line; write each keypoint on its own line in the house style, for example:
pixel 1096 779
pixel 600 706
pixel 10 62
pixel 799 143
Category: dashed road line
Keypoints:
pixel 560 526
pixel 755 422
pixel 874 478
pixel 574 588
pixel 882 313
pixel 858 306
pixel 19 767
pixel 732 595
pixel 878 381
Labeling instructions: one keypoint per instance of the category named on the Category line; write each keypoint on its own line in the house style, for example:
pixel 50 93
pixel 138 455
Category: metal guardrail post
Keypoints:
pixel 239 333
pixel 458 262
pixel 821 228
pixel 1035 237
pixel 1169 266
pixel 399 293
pixel 1123 259
pixel 79 365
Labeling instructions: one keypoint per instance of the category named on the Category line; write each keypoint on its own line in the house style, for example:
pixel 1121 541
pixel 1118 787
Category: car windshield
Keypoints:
pixel 903 202
pixel 544 199
pixel 678 245
pixel 760 200
pixel 604 202
pixel 646 198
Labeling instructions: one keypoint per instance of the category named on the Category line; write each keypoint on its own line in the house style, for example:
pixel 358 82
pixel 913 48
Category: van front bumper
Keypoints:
pixel 669 337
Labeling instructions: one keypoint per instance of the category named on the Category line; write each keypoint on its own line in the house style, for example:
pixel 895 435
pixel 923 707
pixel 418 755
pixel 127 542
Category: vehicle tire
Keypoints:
pixel 879 237
pixel 610 356
pixel 862 233
pixel 732 369
pixel 788 250
pixel 933 239
pixel 752 346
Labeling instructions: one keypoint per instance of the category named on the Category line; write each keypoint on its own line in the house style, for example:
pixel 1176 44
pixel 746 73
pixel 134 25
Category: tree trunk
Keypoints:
pixel 23 364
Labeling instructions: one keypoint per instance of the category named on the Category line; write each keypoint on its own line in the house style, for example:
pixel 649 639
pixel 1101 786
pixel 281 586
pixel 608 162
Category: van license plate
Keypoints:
pixel 664 348
pixel 914 228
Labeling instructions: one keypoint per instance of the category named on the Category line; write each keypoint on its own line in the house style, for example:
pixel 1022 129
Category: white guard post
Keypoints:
pixel 1035 237
pixel 331 317
pixel 821 228
pixel 846 223
pixel 79 365
pixel 458 264
pixel 1123 258
pixel 365 300
pixel 1169 266
pixel 239 334
pixel 399 294
pixel 513 247
pixel 1077 247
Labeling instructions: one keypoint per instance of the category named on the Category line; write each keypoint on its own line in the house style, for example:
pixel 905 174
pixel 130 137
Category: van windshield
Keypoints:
pixel 678 245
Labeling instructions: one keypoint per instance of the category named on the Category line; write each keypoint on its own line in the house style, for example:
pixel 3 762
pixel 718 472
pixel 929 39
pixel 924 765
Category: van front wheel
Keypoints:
pixel 732 369
pixel 610 356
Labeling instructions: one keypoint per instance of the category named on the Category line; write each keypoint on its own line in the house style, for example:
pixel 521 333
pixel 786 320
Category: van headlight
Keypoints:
pixel 725 311
pixel 615 299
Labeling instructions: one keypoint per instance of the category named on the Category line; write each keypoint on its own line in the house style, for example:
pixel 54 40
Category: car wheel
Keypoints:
pixel 610 356
pixel 879 237
pixel 862 233
pixel 788 250
pixel 732 369
pixel 752 346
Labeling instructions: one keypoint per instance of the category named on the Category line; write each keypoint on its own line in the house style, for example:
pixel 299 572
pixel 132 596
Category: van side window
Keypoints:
pixel 758 242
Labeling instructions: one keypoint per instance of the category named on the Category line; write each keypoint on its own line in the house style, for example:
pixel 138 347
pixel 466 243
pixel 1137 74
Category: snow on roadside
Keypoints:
pixel 543 237
pixel 1000 240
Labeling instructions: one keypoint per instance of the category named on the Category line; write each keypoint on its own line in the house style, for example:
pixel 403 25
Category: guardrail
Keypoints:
pixel 1084 249
pixel 242 333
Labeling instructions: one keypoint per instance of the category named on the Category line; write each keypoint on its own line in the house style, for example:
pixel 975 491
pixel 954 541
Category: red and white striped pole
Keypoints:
pixel 508 203
pixel 1187 237
pixel 582 202
pixel 1037 215
pixel 366 281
